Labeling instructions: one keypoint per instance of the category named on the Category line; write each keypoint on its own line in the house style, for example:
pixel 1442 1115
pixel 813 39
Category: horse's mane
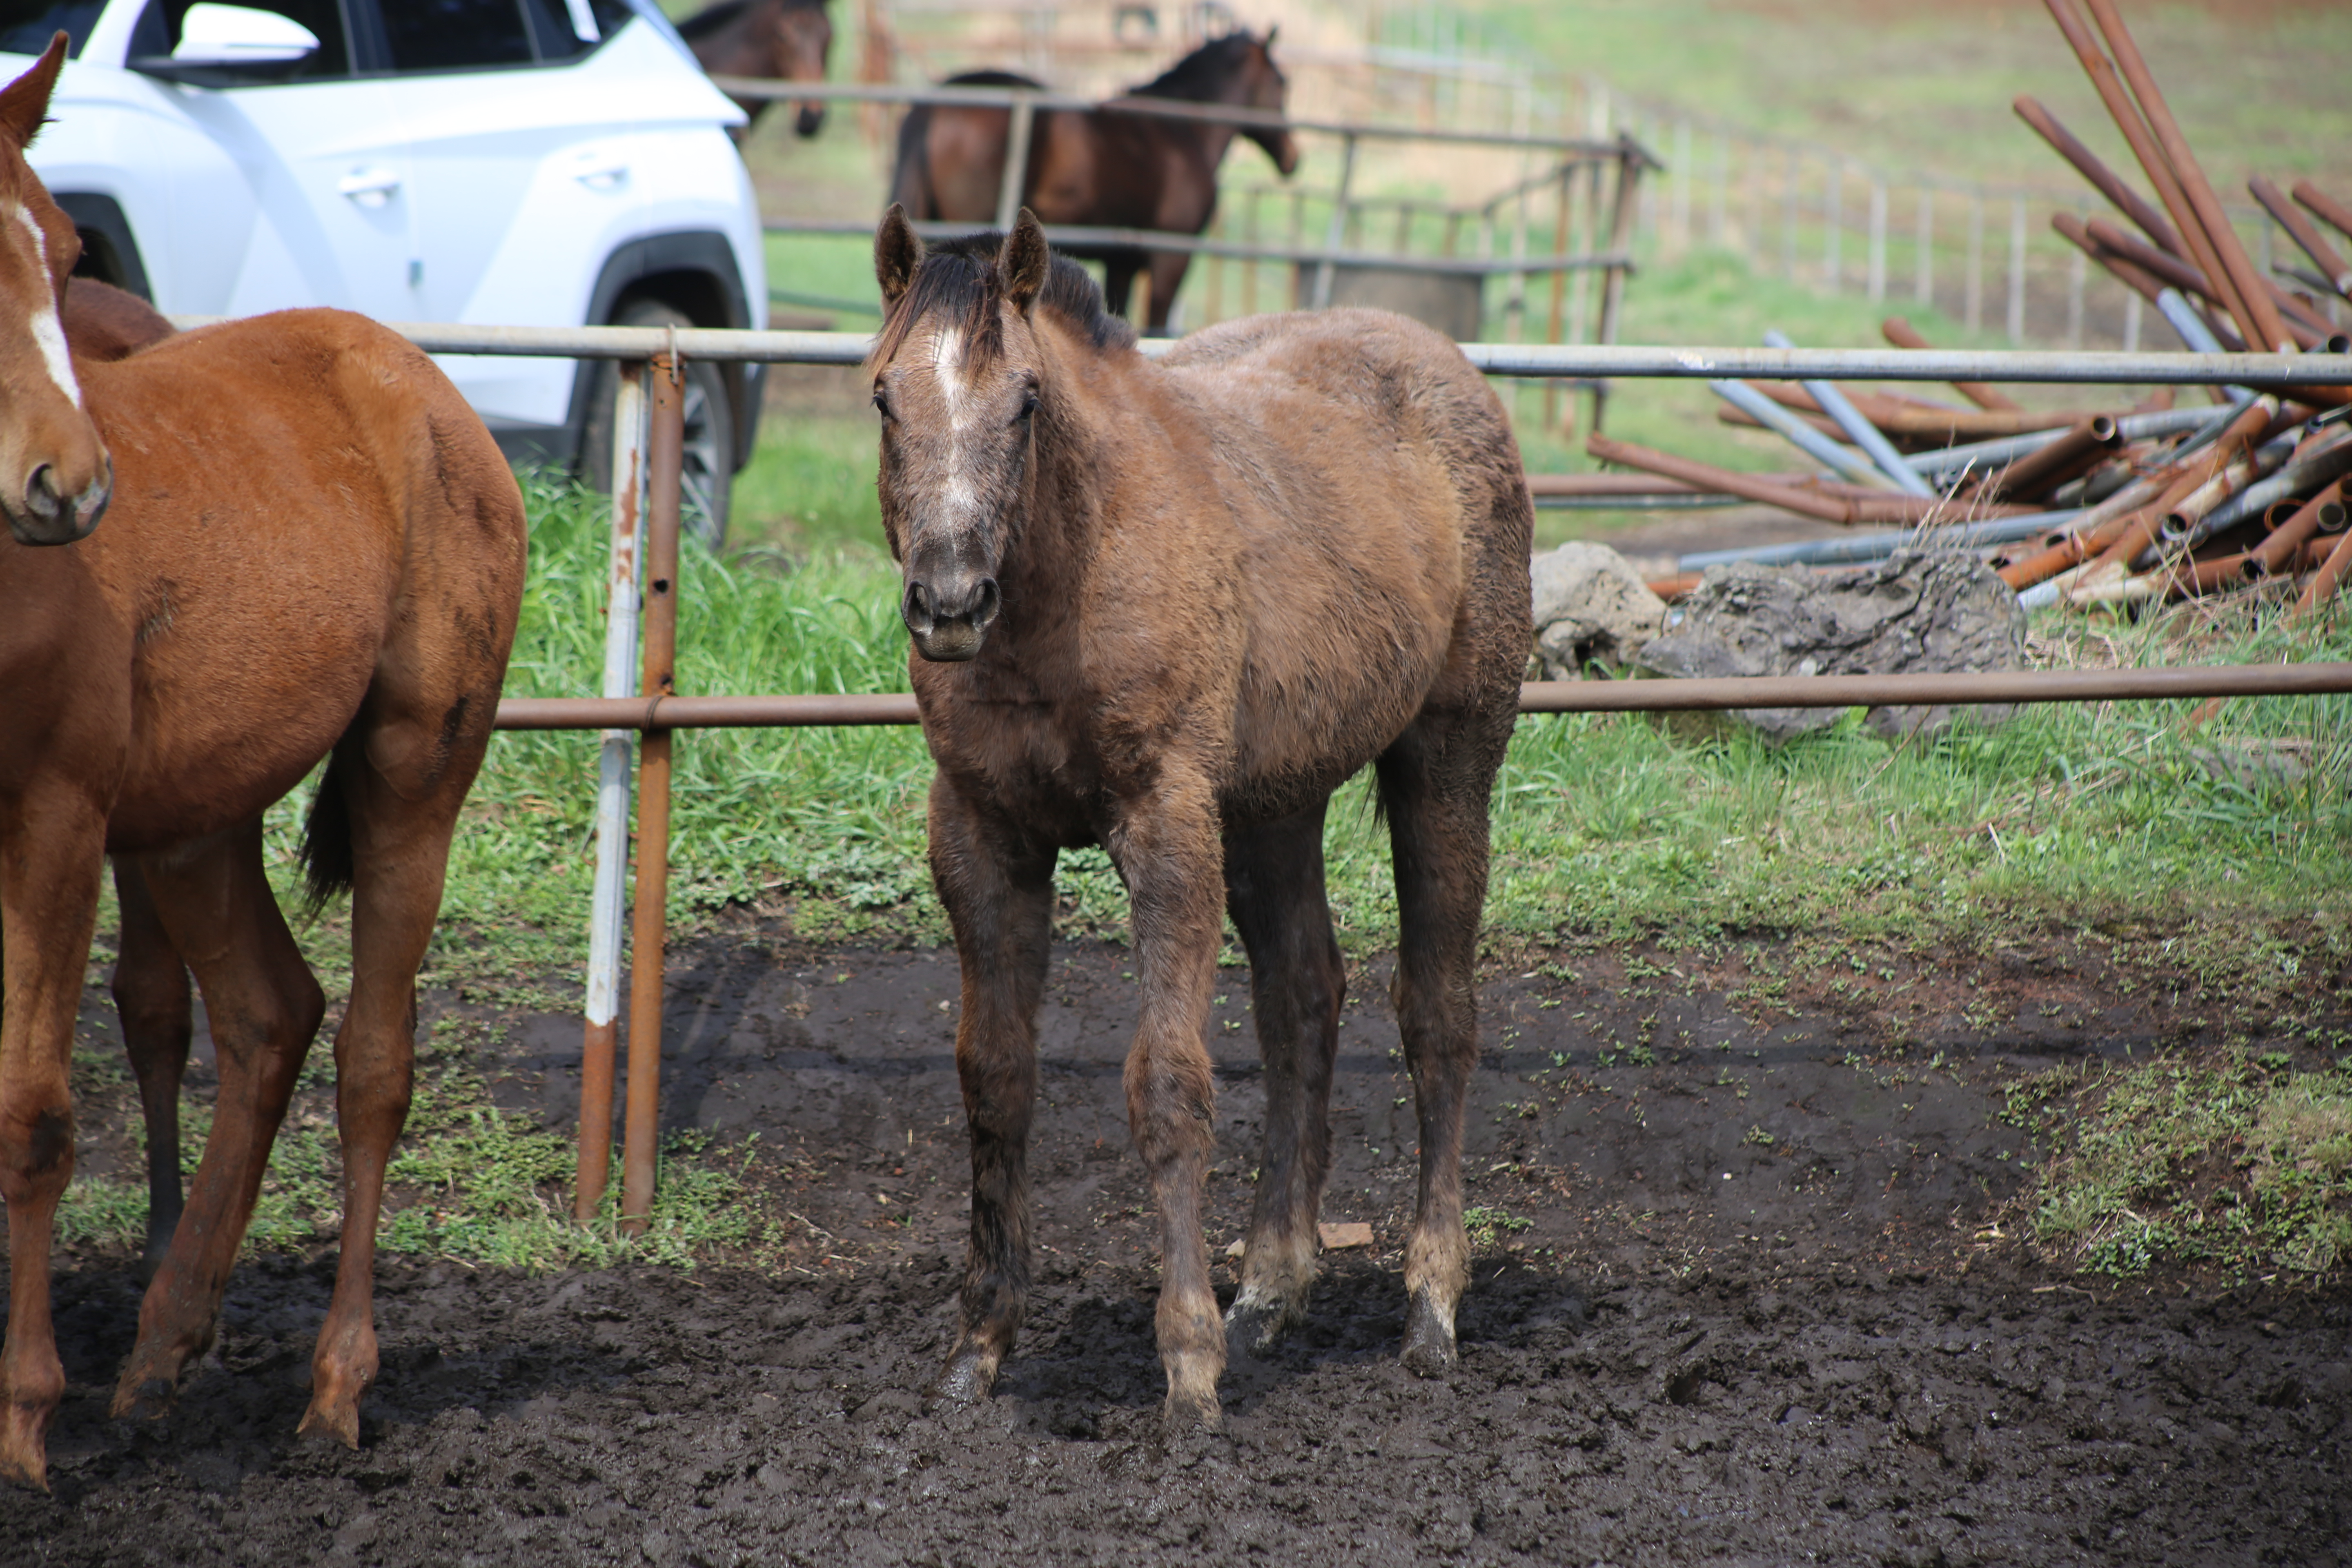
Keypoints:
pixel 958 277
pixel 1200 74
pixel 711 18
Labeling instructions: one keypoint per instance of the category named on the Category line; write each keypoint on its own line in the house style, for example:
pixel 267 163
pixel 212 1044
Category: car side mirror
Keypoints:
pixel 220 45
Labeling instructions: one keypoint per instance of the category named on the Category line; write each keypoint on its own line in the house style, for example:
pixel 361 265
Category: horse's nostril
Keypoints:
pixel 41 495
pixel 917 604
pixel 984 607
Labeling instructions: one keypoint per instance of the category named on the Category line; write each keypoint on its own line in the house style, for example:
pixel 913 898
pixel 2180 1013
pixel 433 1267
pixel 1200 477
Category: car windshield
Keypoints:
pixel 24 35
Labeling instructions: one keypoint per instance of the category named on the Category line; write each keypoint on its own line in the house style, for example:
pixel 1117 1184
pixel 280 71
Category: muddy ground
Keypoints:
pixel 1751 1291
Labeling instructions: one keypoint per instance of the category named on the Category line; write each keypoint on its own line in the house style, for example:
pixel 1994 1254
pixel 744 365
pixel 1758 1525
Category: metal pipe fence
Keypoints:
pixel 648 432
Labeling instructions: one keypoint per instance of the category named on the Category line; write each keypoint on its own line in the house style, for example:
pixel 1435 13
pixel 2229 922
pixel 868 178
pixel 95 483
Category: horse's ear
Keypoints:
pixel 1267 41
pixel 1021 265
pixel 897 251
pixel 25 103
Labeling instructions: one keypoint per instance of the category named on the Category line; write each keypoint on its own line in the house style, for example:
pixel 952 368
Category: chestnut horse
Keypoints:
pixel 314 550
pixel 1167 609
pixel 1100 167
pixel 785 40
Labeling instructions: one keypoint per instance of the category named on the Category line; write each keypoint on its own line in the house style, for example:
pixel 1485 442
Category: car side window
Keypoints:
pixel 450 35
pixel 157 32
pixel 27 29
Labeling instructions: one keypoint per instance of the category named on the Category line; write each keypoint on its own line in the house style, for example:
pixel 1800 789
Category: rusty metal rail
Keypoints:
pixel 663 714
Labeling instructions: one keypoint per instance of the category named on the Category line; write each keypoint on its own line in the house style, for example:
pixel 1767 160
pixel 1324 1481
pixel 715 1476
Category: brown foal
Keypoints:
pixel 1167 609
pixel 314 550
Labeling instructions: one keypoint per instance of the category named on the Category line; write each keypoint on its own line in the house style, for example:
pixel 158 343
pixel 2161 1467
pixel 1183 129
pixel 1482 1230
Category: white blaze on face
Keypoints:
pixel 47 330
pixel 947 366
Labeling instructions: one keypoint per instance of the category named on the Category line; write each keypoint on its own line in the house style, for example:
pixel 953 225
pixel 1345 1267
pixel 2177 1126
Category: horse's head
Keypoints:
pixel 1267 87
pixel 54 476
pixel 958 380
pixel 800 35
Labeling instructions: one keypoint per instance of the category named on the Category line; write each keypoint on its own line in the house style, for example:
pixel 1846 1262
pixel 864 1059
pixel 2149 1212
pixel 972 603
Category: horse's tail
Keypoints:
pixel 327 859
pixel 910 180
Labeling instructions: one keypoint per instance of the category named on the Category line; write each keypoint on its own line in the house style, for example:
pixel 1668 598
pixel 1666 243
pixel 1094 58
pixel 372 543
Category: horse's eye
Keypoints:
pixel 882 401
pixel 1029 403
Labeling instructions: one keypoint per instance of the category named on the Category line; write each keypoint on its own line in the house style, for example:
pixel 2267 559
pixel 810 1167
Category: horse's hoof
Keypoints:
pixel 1429 1348
pixel 966 1380
pixel 144 1398
pixel 24 1448
pixel 322 1426
pixel 1191 1411
pixel 1251 1327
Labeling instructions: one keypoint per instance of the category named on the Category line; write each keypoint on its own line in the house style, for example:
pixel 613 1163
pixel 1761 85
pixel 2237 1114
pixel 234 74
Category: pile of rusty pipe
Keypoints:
pixel 1817 502
pixel 2128 202
pixel 2308 331
pixel 2325 206
pixel 2198 245
pixel 1984 394
pixel 2328 579
pixel 2314 244
pixel 2139 529
pixel 1909 418
pixel 2308 520
pixel 1965 688
pixel 2085 445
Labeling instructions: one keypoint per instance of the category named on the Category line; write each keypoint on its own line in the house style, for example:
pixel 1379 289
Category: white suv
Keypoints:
pixel 548 163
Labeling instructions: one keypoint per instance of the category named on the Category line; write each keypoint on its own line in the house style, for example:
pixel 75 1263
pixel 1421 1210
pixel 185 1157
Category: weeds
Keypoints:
pixel 2233 1162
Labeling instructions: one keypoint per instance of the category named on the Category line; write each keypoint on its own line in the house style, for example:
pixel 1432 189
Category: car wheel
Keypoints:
pixel 707 474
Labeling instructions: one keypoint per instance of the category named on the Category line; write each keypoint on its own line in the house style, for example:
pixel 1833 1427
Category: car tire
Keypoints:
pixel 707 473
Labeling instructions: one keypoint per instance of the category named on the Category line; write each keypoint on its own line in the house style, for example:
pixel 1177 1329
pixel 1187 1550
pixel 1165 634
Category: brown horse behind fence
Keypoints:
pixel 1100 167
pixel 313 549
pixel 783 40
pixel 1167 609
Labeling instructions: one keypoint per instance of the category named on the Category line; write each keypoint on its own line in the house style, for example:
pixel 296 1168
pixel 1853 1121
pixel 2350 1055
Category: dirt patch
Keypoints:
pixel 1742 1295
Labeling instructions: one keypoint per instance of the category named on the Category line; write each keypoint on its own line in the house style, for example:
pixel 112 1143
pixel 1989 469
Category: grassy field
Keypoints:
pixel 1911 86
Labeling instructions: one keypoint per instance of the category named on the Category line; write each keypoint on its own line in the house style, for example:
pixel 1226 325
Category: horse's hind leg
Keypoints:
pixel 1274 889
pixel 151 994
pixel 1434 783
pixel 214 905
pixel 50 852
pixel 400 823
pixel 1000 900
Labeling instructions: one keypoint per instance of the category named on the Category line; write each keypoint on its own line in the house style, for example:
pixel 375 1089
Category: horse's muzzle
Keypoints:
pixel 43 515
pixel 948 620
pixel 810 120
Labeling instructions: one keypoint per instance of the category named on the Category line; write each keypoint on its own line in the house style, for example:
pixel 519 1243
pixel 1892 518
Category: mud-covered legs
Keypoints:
pixel 999 895
pixel 1274 891
pixel 1434 783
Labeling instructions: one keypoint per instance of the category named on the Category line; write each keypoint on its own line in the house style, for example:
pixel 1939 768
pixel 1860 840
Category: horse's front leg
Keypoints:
pixel 52 845
pixel 999 893
pixel 1167 845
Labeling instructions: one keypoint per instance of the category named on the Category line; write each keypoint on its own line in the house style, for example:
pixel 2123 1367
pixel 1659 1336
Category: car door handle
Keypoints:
pixel 601 174
pixel 369 187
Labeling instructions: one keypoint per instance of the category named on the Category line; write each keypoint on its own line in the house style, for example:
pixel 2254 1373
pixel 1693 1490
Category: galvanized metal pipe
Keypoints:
pixel 1858 430
pixel 1804 436
pixel 1854 549
pixel 641 1122
pixel 1575 361
pixel 602 1010
pixel 1963 688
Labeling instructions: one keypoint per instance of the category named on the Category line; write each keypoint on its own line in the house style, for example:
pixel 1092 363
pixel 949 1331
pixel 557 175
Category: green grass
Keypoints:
pixel 2230 1161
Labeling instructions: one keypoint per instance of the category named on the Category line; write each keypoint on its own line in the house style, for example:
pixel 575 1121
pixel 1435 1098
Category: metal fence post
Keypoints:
pixel 2077 280
pixel 1682 196
pixel 1973 317
pixel 1718 216
pixel 1332 236
pixel 602 1028
pixel 1015 178
pixel 2017 270
pixel 641 1128
pixel 1788 219
pixel 1924 288
pixel 1834 216
pixel 1877 284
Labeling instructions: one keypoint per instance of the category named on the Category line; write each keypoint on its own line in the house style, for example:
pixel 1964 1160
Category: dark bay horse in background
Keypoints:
pixel 1101 168
pixel 1167 609
pixel 313 549
pixel 785 41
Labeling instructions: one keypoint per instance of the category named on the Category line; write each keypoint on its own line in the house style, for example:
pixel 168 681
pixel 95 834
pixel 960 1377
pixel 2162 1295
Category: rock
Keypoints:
pixel 1589 605
pixel 1920 611
pixel 1344 1234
